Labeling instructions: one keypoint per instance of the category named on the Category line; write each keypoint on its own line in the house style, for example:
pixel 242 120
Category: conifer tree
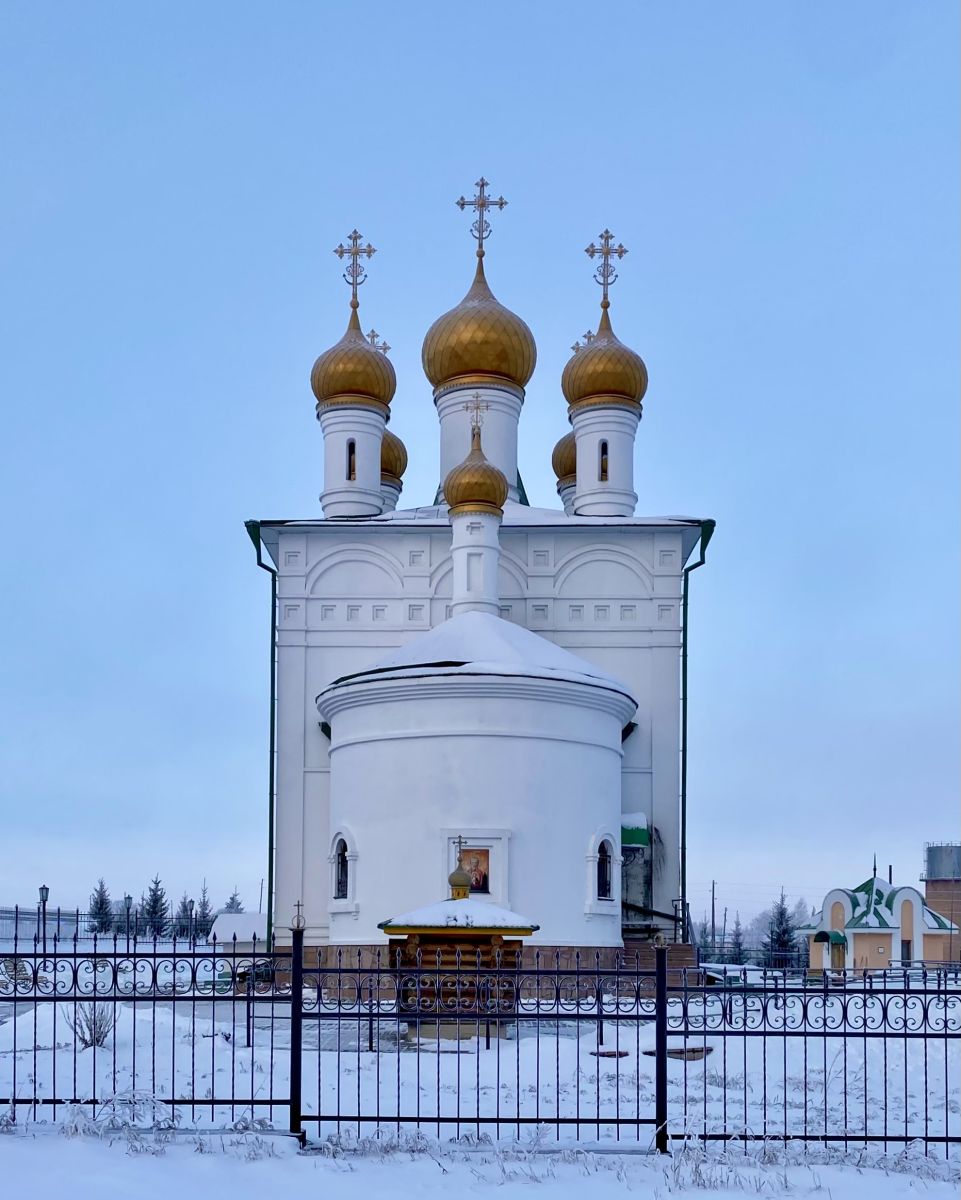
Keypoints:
pixel 234 903
pixel 100 911
pixel 736 947
pixel 155 910
pixel 780 945
pixel 182 918
pixel 703 940
pixel 203 914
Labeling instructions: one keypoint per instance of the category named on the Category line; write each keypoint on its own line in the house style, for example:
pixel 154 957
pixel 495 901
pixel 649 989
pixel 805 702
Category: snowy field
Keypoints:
pixel 188 1064
pixel 151 1168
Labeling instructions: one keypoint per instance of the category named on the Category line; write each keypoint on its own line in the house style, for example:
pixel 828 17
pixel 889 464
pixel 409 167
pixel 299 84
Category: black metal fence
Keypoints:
pixel 588 1048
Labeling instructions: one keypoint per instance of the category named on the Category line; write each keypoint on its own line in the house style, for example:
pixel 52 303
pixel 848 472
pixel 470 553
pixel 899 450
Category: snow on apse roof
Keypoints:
pixel 479 643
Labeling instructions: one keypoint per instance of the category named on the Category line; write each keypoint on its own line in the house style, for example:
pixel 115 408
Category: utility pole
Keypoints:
pixel 713 920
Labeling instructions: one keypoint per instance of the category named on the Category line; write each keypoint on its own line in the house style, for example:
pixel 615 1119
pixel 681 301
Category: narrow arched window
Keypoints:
pixel 602 462
pixel 341 868
pixel 351 459
pixel 604 872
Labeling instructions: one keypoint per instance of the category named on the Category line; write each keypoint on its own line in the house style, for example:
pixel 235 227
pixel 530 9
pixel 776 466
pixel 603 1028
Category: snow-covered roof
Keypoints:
pixel 459 914
pixel 242 926
pixel 435 516
pixel 514 514
pixel 479 643
pixel 634 820
pixel 873 907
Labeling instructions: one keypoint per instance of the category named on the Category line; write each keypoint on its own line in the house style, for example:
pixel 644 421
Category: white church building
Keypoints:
pixel 475 677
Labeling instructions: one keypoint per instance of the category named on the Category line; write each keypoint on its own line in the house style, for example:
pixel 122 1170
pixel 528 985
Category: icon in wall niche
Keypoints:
pixel 477 865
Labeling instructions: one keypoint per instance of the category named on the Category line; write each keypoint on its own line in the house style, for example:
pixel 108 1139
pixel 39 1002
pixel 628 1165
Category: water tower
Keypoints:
pixel 942 878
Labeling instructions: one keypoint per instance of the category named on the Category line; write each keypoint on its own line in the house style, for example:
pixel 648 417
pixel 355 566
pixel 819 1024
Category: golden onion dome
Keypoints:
pixel 480 337
pixel 459 882
pixel 605 370
pixel 475 485
pixel 564 458
pixel 353 371
pixel 393 457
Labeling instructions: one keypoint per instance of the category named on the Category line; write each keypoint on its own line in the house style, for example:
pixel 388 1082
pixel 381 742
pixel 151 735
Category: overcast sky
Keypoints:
pixel 175 177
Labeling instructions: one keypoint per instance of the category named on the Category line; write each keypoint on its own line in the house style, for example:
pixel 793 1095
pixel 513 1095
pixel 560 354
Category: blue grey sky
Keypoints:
pixel 786 178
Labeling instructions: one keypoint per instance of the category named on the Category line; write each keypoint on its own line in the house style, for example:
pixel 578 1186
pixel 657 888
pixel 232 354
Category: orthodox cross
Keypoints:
pixel 355 273
pixel 373 337
pixel 476 406
pixel 588 337
pixel 480 204
pixel 460 843
pixel 605 273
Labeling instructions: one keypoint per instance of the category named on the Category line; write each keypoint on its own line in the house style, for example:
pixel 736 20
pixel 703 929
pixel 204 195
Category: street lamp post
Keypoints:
pixel 190 924
pixel 44 897
pixel 127 901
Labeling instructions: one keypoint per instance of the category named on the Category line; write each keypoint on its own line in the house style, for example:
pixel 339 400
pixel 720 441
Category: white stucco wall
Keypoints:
pixel 530 766
pixel 349 592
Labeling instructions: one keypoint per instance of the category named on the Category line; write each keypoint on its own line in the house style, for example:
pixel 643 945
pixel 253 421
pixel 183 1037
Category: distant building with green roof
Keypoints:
pixel 878 924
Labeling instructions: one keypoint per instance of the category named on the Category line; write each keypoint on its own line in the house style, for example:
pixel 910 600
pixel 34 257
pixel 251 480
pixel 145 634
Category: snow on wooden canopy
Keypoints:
pixel 469 914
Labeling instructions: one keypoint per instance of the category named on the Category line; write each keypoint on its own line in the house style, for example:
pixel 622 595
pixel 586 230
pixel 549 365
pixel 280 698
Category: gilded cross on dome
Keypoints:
pixel 355 273
pixel 476 406
pixel 588 337
pixel 605 273
pixel 373 337
pixel 480 204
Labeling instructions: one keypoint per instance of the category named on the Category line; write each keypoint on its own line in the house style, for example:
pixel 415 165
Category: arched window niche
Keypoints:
pixel 343 872
pixel 603 875
pixel 602 462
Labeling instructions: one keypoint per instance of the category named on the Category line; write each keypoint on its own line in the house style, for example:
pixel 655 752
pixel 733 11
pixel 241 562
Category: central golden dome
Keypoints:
pixel 605 370
pixel 479 337
pixel 475 485
pixel 353 371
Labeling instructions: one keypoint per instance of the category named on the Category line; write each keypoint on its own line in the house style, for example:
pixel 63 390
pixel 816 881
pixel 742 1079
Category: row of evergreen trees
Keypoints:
pixel 154 915
pixel 778 946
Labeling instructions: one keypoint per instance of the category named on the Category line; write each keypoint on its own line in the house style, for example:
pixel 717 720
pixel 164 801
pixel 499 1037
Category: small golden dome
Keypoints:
pixel 476 485
pixel 564 458
pixel 605 368
pixel 353 371
pixel 393 457
pixel 479 337
pixel 459 882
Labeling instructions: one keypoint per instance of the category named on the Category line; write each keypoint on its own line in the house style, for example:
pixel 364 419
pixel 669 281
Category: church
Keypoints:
pixel 474 681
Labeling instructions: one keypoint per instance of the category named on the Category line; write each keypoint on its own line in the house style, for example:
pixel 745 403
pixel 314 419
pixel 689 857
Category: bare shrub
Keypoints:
pixel 92 1024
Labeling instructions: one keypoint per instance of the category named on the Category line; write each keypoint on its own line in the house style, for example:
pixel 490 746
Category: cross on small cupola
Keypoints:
pixel 458 879
pixel 355 273
pixel 476 406
pixel 606 251
pixel 374 338
pixel 480 204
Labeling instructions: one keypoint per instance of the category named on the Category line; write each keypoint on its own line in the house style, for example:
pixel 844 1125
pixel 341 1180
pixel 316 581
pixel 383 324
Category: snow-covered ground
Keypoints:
pixel 195 1049
pixel 221 1168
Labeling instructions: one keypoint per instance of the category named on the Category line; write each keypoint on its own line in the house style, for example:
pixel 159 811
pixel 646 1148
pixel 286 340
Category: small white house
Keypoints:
pixel 244 926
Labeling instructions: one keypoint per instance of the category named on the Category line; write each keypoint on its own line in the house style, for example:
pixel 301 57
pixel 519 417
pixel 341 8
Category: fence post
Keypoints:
pixel 296 1032
pixel 660 1050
